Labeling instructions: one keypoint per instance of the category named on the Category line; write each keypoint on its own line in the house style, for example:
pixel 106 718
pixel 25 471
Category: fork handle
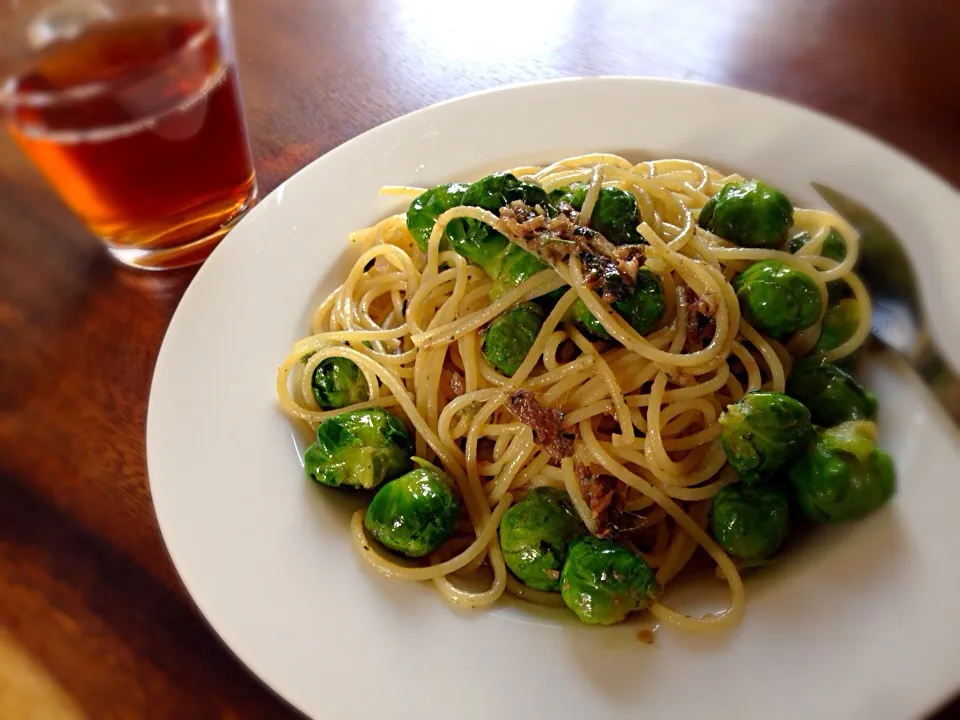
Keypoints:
pixel 943 382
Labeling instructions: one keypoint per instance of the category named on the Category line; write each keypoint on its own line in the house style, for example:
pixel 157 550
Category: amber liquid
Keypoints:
pixel 138 125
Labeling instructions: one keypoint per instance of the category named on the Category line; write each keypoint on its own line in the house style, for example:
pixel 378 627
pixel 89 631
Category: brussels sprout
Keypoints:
pixel 831 395
pixel 535 534
pixel 602 581
pixel 645 308
pixel 548 302
pixel 796 241
pixel 415 513
pixel 843 475
pixel 834 246
pixel 359 449
pixel 615 214
pixel 510 337
pixel 642 310
pixel 840 322
pixel 426 208
pixel 749 213
pixel 581 316
pixel 762 431
pixel 616 217
pixel 513 267
pixel 751 521
pixel 507 264
pixel 478 242
pixel 500 189
pixel 778 299
pixel 338 382
pixel 573 194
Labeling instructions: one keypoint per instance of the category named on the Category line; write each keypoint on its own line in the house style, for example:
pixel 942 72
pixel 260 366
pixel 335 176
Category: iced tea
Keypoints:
pixel 138 124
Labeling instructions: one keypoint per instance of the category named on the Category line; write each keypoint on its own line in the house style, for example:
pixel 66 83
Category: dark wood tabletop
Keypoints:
pixel 93 621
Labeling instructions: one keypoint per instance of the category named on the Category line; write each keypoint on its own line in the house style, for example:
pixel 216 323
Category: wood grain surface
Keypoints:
pixel 93 622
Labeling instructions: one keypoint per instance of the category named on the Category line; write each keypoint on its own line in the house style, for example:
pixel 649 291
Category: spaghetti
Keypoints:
pixel 644 409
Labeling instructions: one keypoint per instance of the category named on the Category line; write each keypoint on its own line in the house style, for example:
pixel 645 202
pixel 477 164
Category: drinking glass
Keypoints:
pixel 131 110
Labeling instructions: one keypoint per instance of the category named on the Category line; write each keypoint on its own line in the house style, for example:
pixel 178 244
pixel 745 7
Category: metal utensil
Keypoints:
pixel 898 318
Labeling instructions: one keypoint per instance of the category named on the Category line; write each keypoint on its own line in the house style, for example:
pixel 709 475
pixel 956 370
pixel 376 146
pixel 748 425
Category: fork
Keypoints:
pixel 898 319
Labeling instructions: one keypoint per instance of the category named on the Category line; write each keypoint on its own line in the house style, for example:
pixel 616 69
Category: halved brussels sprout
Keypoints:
pixel 338 382
pixel 359 449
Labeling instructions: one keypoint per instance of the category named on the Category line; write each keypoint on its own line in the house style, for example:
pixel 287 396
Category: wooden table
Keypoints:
pixel 93 621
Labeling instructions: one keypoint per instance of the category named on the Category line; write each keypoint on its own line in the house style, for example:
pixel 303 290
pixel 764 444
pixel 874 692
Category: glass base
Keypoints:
pixel 190 253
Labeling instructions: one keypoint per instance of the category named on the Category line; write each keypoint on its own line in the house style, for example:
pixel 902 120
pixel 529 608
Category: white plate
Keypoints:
pixel 861 623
